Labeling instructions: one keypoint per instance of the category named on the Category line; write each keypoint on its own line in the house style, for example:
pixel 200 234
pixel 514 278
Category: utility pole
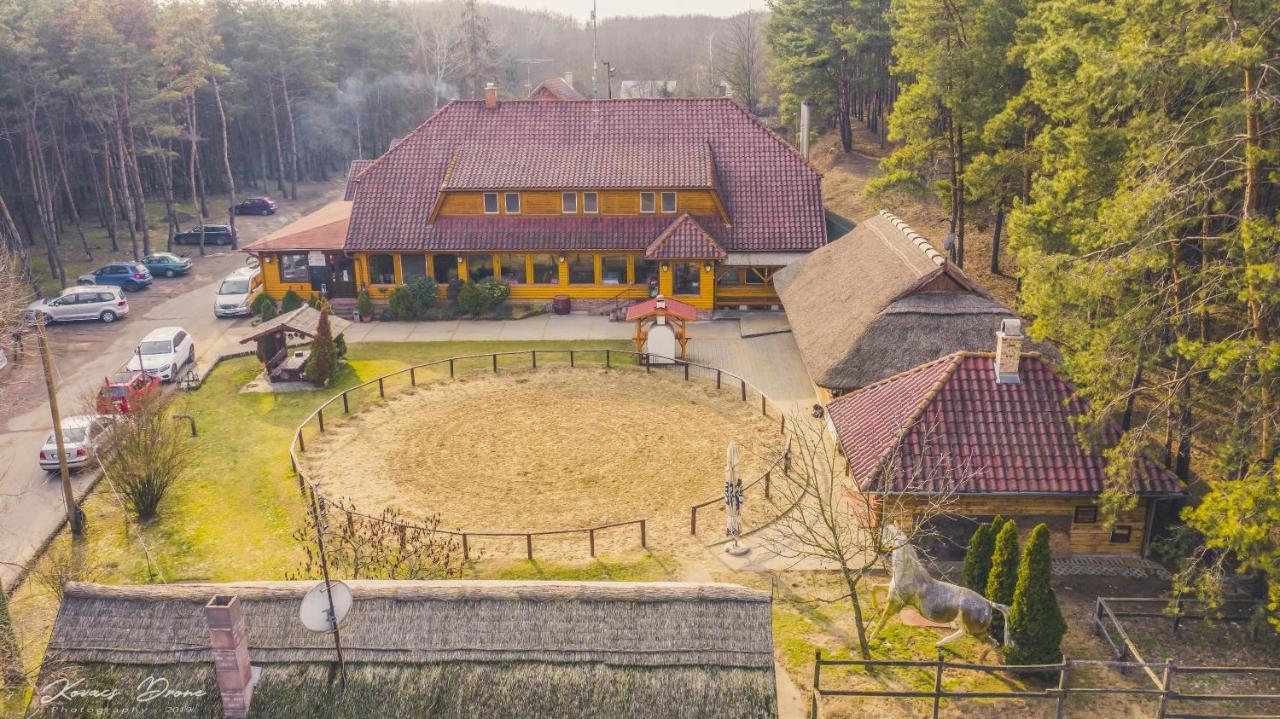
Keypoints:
pixel 75 517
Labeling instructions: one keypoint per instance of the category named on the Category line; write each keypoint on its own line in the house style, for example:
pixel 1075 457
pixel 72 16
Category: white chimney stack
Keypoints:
pixel 804 129
pixel 568 78
pixel 1008 351
pixel 224 616
pixel 490 95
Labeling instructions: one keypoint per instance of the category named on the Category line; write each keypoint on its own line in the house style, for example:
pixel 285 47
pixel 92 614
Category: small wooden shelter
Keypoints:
pixel 660 327
pixel 285 363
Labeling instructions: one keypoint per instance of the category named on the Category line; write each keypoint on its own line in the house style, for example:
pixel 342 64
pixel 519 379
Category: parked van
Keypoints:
pixel 237 293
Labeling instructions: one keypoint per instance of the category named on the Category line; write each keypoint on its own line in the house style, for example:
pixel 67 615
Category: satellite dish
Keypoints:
pixel 314 610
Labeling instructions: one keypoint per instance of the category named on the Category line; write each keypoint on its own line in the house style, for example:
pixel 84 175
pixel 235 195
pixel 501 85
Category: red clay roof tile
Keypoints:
pixel 685 240
pixel 918 430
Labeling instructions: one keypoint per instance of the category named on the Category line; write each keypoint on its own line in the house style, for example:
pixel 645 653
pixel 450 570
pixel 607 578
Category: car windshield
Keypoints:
pixel 164 258
pixel 155 347
pixel 115 391
pixel 233 287
pixel 70 435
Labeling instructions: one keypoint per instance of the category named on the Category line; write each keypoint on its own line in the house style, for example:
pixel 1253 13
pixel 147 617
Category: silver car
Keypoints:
pixel 85 302
pixel 82 438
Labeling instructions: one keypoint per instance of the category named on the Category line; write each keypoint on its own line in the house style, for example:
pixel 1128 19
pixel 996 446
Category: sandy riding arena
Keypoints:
pixel 548 449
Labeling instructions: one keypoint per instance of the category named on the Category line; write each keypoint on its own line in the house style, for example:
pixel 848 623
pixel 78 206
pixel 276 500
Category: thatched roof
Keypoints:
pixel 447 648
pixel 304 321
pixel 879 301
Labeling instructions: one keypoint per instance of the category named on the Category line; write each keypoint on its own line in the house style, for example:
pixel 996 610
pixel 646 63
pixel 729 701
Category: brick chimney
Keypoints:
pixel 224 616
pixel 490 95
pixel 1008 351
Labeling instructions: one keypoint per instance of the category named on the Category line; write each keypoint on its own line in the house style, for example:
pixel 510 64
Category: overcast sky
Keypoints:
pixel 581 9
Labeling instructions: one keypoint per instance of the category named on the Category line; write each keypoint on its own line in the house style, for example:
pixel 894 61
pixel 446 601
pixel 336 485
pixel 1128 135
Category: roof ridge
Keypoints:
pixel 916 238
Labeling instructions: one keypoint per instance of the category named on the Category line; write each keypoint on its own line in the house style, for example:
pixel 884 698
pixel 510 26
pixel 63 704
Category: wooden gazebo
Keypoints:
pixel 285 363
pixel 660 326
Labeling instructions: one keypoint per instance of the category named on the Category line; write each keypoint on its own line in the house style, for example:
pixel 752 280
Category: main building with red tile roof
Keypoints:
pixel 998 442
pixel 598 200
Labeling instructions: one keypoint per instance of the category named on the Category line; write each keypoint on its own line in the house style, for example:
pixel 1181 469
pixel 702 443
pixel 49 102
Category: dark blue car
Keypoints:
pixel 129 276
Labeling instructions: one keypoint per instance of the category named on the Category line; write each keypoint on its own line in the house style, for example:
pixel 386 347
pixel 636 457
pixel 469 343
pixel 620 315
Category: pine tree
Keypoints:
pixel 1035 622
pixel 977 558
pixel 1004 573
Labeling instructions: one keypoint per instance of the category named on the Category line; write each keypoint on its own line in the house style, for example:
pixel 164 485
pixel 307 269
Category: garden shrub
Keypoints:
pixel 264 307
pixel 494 292
pixel 322 365
pixel 315 301
pixel 1036 625
pixel 405 304
pixel 1004 573
pixel 291 301
pixel 453 288
pixel 340 346
pixel 425 289
pixel 977 558
pixel 364 304
pixel 470 299
pixel 450 311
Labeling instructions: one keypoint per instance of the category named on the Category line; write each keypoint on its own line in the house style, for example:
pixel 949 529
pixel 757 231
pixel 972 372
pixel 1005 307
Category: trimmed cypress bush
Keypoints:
pixel 291 301
pixel 322 365
pixel 977 558
pixel 264 307
pixel 1035 622
pixel 1004 574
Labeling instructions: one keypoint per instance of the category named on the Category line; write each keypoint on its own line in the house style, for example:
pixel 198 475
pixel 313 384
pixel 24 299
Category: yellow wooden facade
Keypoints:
pixel 609 202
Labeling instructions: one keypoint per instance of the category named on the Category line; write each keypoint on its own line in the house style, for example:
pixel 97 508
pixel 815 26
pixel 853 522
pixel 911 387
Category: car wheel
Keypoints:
pixel 191 355
pixel 168 273
pixel 173 373
pixel 131 286
pixel 107 316
pixel 48 318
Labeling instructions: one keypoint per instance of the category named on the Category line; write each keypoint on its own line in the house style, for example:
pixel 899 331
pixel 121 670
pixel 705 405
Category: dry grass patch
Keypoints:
pixel 544 450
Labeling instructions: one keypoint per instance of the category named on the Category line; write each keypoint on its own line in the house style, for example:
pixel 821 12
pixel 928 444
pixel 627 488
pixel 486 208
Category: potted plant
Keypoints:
pixel 364 305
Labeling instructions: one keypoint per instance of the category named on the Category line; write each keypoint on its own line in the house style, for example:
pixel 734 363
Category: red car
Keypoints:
pixel 122 392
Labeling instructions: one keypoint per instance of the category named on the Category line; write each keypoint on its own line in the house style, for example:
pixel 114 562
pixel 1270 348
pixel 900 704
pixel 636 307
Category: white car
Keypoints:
pixel 84 302
pixel 163 352
pixel 82 437
pixel 237 292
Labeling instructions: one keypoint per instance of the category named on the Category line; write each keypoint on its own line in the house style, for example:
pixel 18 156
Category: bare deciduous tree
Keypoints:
pixel 148 452
pixel 386 546
pixel 740 59
pixel 823 516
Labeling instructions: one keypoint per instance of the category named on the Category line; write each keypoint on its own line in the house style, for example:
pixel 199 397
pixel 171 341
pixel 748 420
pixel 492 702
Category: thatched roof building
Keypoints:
pixel 879 301
pixel 436 648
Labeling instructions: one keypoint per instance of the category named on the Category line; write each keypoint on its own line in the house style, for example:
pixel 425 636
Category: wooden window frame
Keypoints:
pixel 369 269
pixel 1086 514
pixel 506 203
pixel 501 269
pixel 497 206
pixel 662 203
pixel 533 272
pixel 306 267
pixel 626 269
pixel 653 203
pixel 595 200
pixel 1121 534
pixel 567 199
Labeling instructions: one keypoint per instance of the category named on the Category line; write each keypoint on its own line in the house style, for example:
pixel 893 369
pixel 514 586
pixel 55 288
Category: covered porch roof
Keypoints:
pixel 303 321
pixel 324 229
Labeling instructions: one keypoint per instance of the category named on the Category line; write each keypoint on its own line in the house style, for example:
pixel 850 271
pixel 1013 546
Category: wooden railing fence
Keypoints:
pixel 608 355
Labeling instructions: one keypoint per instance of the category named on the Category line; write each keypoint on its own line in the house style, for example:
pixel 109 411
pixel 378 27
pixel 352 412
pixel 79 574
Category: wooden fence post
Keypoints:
pixel 346 408
pixel 608 363
pixel 591 535
pixel 767 480
pixel 744 389
pixel 693 520
pixel 571 358
pixel 382 390
pixel 643 539
pixel 1166 682
pixel 1062 688
pixel 1177 614
pixel 534 355
pixel 302 443
pixel 686 371
pixel 320 418
pixel 450 368
pixel 937 686
pixel 413 377
pixel 764 409
pixel 466 554
pixel 528 546
pixel 718 374
pixel 817 683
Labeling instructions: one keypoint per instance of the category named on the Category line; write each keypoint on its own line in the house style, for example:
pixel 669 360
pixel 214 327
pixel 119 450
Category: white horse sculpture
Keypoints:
pixel 937 601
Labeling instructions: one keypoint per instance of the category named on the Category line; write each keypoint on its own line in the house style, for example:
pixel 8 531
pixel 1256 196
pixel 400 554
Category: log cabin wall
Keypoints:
pixel 611 202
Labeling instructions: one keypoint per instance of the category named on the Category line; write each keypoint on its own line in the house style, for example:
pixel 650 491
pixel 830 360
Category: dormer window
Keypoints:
pixel 647 202
pixel 590 203
pixel 490 203
pixel 668 202
pixel 512 201
pixel 569 203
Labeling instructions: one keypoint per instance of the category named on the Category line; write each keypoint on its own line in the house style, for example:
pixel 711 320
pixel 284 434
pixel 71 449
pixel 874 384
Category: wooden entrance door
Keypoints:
pixel 342 277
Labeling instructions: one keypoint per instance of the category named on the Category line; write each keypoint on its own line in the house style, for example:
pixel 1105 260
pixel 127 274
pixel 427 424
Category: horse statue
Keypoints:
pixel 936 600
